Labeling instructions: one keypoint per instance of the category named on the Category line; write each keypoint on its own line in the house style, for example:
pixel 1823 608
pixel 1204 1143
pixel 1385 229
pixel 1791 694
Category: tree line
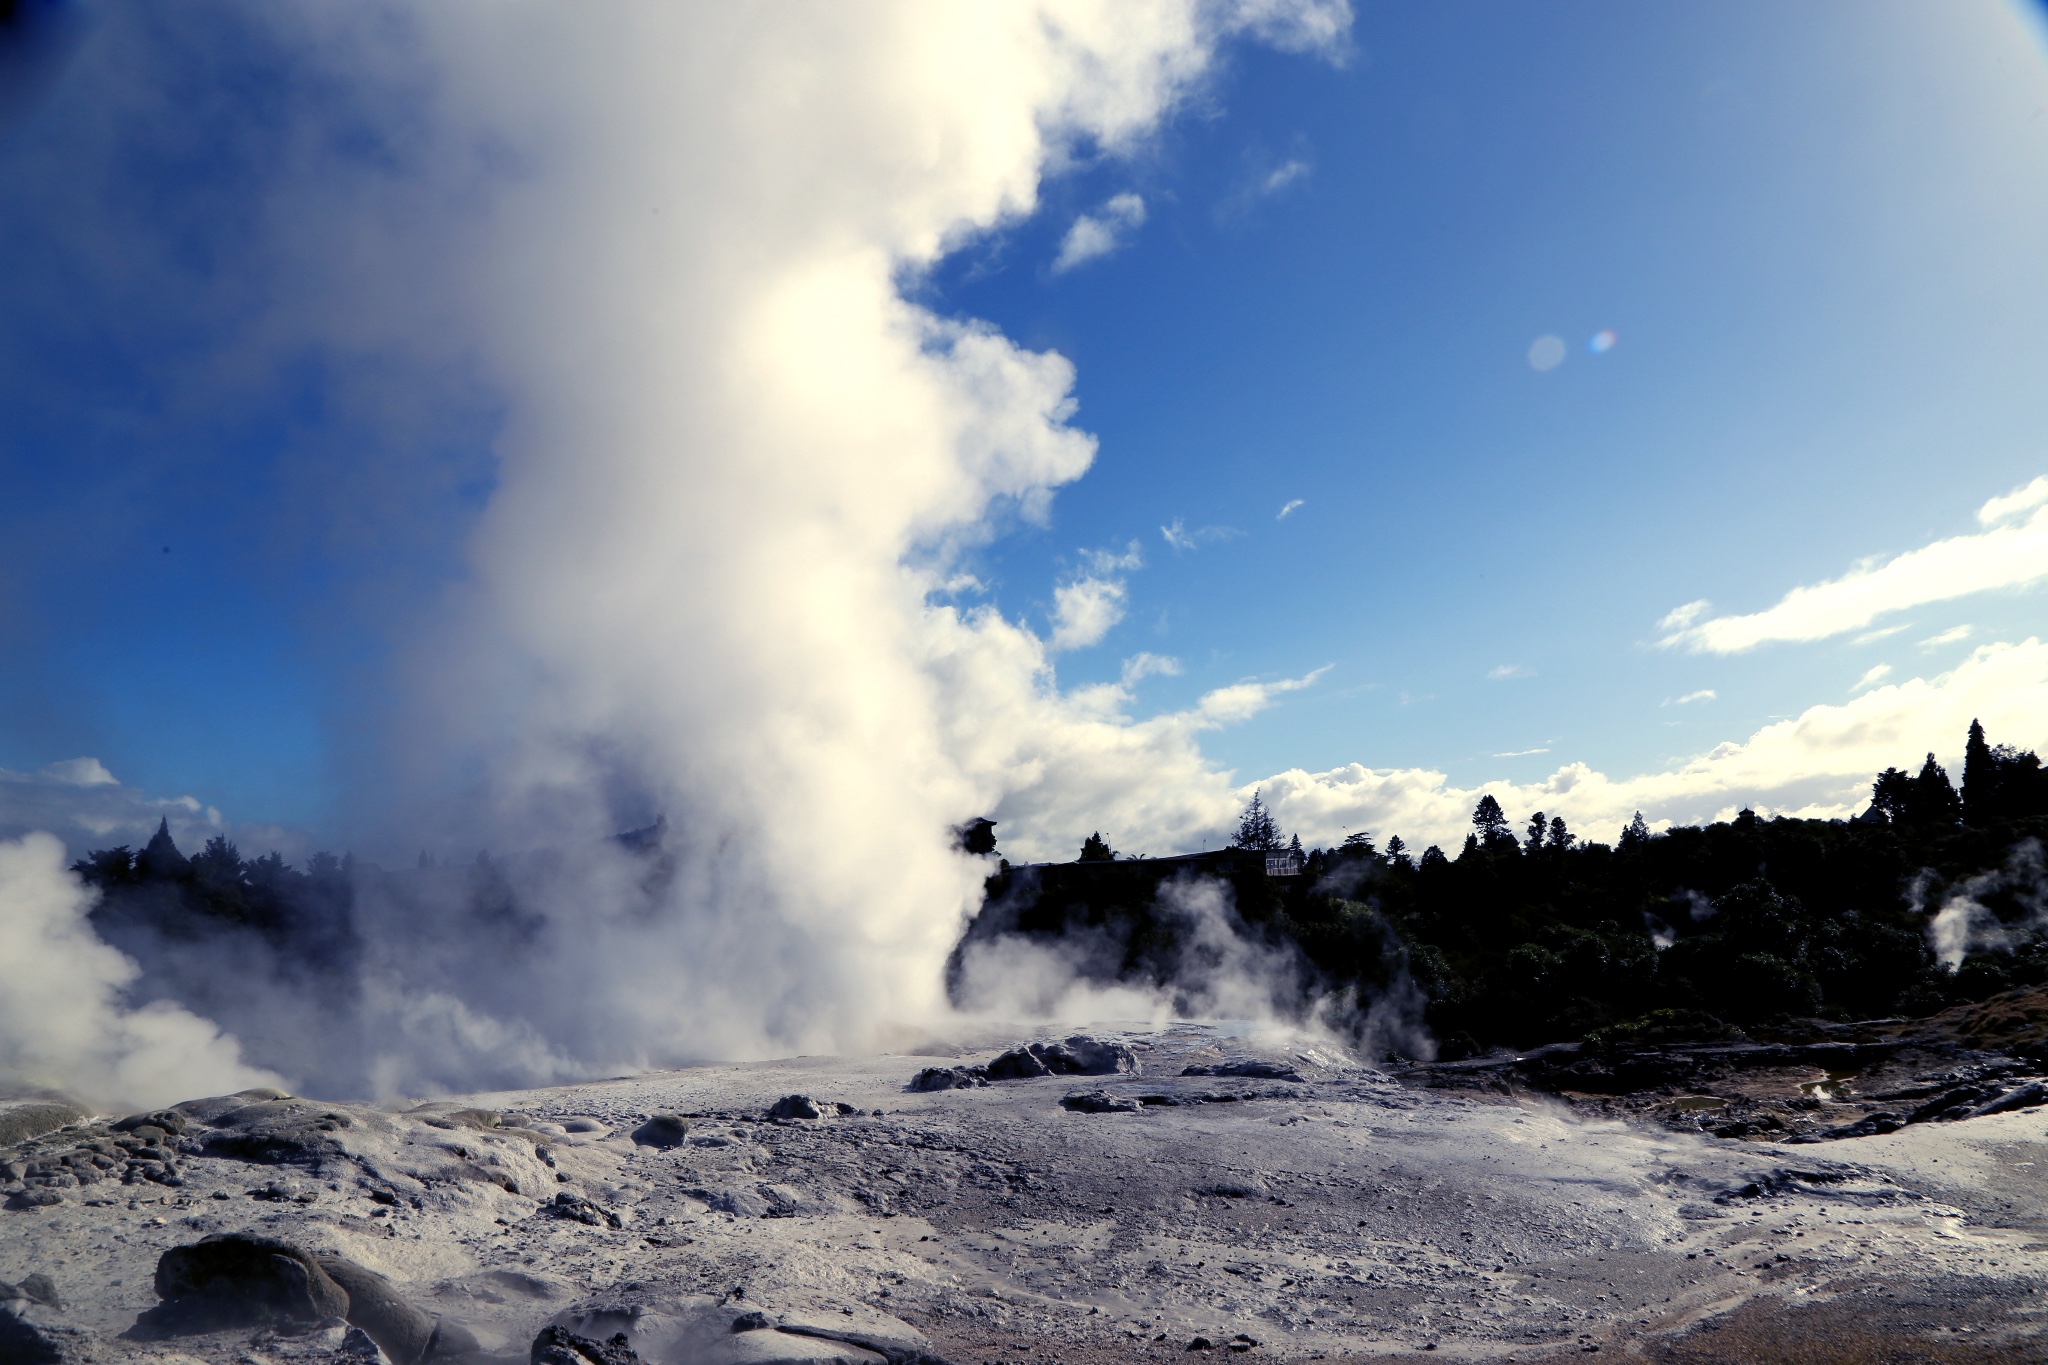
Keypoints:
pixel 1536 935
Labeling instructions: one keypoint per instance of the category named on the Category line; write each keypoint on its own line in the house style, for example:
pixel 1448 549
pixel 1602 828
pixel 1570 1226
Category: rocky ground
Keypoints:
pixel 1203 1189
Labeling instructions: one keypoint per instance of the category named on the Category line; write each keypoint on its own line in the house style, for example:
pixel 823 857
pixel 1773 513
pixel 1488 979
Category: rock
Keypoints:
pixel 1268 1071
pixel 662 1130
pixel 40 1197
pixel 752 1321
pixel 1101 1102
pixel 37 1288
pixel 21 1120
pixel 212 1107
pixel 1201 1344
pixel 167 1121
pixel 560 1346
pixel 2026 1097
pixel 233 1279
pixel 22 1343
pixel 948 1078
pixel 277 1132
pixel 1868 1126
pixel 580 1210
pixel 801 1107
pixel 402 1331
pixel 1077 1055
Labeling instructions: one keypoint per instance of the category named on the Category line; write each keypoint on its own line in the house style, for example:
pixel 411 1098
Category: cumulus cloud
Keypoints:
pixel 2012 552
pixel 1818 764
pixel 1094 235
pixel 1872 676
pixel 1085 610
pixel 64 1020
pixel 1146 665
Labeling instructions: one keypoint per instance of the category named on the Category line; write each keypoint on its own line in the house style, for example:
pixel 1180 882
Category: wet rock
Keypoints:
pixel 2025 1097
pixel 1076 1055
pixel 560 1346
pixel 1101 1102
pixel 1265 1071
pixel 23 1343
pixel 663 1131
pixel 934 1078
pixel 235 1279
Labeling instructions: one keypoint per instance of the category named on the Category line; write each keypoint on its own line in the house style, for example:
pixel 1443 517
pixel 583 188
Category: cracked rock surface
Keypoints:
pixel 1269 1197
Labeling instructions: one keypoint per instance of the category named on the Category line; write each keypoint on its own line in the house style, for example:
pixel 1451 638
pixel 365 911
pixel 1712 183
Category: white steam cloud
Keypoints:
pixel 63 1019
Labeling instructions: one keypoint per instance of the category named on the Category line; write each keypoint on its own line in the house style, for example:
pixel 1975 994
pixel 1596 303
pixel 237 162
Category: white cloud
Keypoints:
pixel 1523 753
pixel 1500 672
pixel 2009 554
pixel 1704 694
pixel 1871 637
pixel 2006 506
pixel 1141 666
pixel 1280 177
pixel 83 804
pixel 1177 534
pixel 1874 675
pixel 1292 504
pixel 1819 764
pixel 1948 637
pixel 1094 235
pixel 1085 610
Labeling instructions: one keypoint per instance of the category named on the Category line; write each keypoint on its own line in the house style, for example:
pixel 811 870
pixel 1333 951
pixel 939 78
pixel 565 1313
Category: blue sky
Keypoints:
pixel 1813 231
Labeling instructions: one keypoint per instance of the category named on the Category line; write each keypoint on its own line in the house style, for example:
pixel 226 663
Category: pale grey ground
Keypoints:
pixel 1341 1216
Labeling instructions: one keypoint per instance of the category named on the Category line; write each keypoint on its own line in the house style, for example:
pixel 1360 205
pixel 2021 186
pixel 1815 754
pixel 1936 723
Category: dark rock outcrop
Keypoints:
pixel 1101 1102
pixel 560 1346
pixel 661 1130
pixel 934 1078
pixel 235 1279
pixel 1078 1055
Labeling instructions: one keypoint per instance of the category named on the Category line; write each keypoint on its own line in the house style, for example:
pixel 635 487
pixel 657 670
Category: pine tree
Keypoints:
pixel 1560 837
pixel 1096 849
pixel 1533 841
pixel 1491 822
pixel 1256 829
pixel 1980 777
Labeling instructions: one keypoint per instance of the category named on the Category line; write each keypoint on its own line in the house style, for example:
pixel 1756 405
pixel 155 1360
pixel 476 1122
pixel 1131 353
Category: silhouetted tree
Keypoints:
pixel 1096 849
pixel 1560 837
pixel 1397 851
pixel 1931 802
pixel 1980 777
pixel 1256 828
pixel 160 860
pixel 1360 843
pixel 1490 823
pixel 1636 833
pixel 1533 841
pixel 1891 794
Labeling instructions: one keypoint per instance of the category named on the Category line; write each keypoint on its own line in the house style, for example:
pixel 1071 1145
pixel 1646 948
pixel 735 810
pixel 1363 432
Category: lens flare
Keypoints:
pixel 1602 342
pixel 1546 353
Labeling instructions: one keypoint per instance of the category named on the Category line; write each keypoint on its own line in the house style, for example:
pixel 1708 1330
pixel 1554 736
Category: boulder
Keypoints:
pixel 21 1120
pixel 661 1130
pixel 1077 1055
pixel 2025 1097
pixel 277 1132
pixel 36 1288
pixel 804 1107
pixel 1266 1071
pixel 374 1304
pixel 1101 1102
pixel 560 1346
pixel 234 1278
pixel 934 1078
pixel 22 1343
pixel 168 1122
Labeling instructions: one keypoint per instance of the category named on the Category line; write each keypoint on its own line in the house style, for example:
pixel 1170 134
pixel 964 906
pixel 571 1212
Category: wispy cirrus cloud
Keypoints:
pixel 1948 637
pixel 1293 505
pixel 1178 534
pixel 1502 672
pixel 1704 694
pixel 2011 552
